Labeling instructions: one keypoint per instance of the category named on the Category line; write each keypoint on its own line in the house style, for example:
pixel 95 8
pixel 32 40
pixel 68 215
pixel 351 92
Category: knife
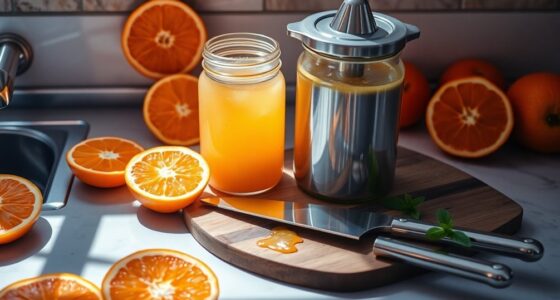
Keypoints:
pixel 355 222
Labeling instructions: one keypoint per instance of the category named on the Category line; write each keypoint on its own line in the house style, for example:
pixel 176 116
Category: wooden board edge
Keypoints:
pixel 342 282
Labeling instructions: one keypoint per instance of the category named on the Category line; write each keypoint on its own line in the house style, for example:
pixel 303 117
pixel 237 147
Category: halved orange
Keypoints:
pixel 167 178
pixel 61 286
pixel 160 274
pixel 469 117
pixel 171 110
pixel 20 205
pixel 100 162
pixel 163 37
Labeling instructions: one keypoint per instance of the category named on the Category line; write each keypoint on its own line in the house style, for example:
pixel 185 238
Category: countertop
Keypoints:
pixel 99 226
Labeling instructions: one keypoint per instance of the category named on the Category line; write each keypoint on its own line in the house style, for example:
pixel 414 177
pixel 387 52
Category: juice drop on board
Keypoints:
pixel 281 240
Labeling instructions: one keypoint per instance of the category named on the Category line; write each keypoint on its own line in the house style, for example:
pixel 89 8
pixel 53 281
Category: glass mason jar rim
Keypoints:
pixel 241 57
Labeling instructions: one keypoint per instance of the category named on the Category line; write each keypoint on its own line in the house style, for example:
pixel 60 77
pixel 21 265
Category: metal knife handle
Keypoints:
pixel 526 249
pixel 493 274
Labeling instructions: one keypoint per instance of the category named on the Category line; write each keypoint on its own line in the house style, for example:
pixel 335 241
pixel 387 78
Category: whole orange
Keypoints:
pixel 416 94
pixel 473 67
pixel 535 99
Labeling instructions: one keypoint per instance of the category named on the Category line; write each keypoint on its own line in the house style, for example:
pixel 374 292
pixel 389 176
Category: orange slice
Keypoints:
pixel 100 162
pixel 160 274
pixel 60 286
pixel 171 110
pixel 167 178
pixel 469 117
pixel 163 37
pixel 20 205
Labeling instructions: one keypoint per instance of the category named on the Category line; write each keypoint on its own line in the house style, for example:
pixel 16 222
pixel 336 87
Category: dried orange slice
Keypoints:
pixel 100 162
pixel 20 205
pixel 171 110
pixel 61 286
pixel 163 37
pixel 469 117
pixel 160 274
pixel 167 178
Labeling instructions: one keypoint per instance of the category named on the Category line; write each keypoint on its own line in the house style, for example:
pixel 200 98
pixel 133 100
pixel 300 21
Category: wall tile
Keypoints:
pixel 47 5
pixel 110 5
pixel 198 5
pixel 5 5
pixel 415 4
pixel 298 5
pixel 226 5
pixel 511 4
pixel 317 5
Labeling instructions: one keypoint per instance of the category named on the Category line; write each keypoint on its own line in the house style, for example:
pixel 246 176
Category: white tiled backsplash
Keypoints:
pixel 85 50
pixel 69 6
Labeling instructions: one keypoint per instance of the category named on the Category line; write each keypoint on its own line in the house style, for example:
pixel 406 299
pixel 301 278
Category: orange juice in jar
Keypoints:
pixel 242 107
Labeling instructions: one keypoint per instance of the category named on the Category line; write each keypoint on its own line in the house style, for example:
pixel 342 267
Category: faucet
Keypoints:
pixel 15 58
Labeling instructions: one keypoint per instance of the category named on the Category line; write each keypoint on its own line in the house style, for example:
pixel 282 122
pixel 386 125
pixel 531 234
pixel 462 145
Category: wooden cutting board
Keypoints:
pixel 333 263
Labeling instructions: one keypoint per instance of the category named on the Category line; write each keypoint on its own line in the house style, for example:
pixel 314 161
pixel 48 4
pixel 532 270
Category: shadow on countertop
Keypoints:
pixel 166 223
pixel 28 245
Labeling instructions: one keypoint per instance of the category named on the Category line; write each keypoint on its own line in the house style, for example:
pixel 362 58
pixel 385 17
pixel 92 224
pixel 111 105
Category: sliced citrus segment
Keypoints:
pixel 20 205
pixel 163 37
pixel 171 110
pixel 160 274
pixel 469 117
pixel 167 178
pixel 60 286
pixel 100 162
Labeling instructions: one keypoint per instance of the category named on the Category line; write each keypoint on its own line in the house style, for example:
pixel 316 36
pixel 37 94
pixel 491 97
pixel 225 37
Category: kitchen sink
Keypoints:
pixel 36 151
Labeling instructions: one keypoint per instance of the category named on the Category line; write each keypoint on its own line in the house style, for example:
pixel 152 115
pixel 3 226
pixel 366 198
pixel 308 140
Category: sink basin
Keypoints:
pixel 36 151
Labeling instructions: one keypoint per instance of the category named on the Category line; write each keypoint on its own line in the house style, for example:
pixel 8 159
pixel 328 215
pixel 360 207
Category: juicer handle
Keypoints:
pixel 526 249
pixel 412 32
pixel 494 274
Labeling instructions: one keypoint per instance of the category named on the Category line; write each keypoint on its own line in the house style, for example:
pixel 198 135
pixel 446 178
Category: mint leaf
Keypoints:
pixel 444 218
pixel 395 202
pixel 435 233
pixel 414 214
pixel 413 202
pixel 445 229
pixel 405 203
pixel 461 238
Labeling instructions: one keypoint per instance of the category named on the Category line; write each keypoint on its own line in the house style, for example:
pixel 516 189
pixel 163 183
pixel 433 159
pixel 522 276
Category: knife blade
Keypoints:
pixel 343 222
pixel 354 222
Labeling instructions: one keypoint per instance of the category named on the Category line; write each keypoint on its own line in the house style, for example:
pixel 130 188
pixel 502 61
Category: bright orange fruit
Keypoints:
pixel 416 94
pixel 163 37
pixel 20 205
pixel 171 110
pixel 168 178
pixel 469 117
pixel 60 286
pixel 535 99
pixel 470 67
pixel 160 274
pixel 100 162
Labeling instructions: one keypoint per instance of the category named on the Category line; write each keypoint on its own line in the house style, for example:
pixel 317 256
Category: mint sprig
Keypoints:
pixel 445 229
pixel 406 203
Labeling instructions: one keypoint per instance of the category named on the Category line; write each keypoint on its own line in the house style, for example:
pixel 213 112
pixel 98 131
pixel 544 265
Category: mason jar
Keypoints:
pixel 242 109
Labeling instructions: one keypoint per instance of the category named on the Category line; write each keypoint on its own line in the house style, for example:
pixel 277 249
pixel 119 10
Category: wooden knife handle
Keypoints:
pixel 526 249
pixel 493 274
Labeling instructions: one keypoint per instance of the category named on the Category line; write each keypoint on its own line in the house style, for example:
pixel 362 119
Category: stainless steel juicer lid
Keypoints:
pixel 353 31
